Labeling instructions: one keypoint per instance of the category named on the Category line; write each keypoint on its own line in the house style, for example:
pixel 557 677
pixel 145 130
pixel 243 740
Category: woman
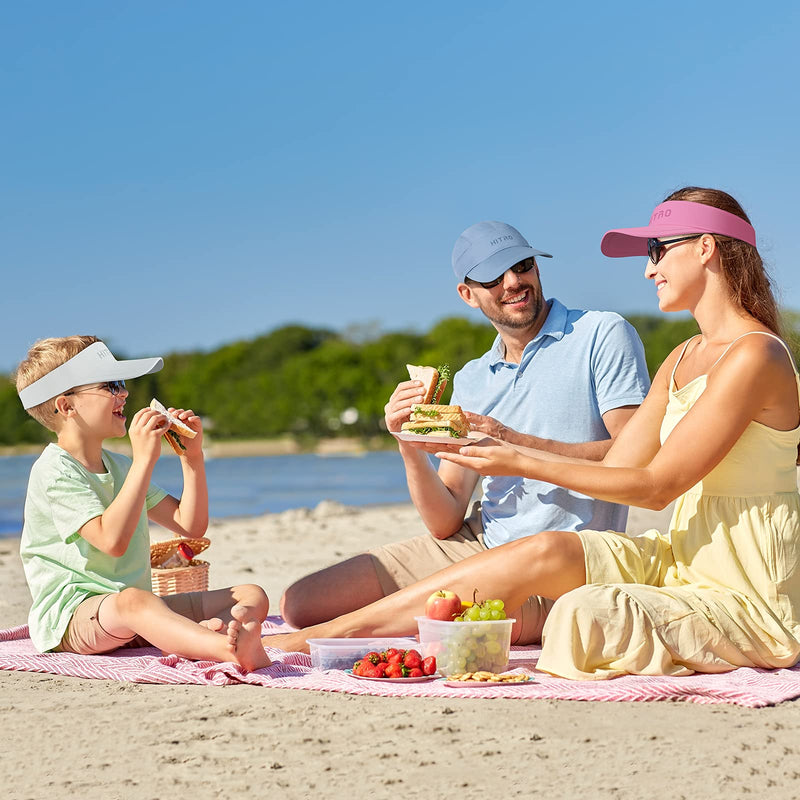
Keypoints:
pixel 719 431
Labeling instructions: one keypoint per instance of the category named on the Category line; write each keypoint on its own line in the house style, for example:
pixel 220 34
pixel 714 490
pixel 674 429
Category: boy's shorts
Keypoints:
pixel 399 564
pixel 86 636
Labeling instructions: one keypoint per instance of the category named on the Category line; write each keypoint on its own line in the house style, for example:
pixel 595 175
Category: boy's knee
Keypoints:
pixel 254 596
pixel 131 600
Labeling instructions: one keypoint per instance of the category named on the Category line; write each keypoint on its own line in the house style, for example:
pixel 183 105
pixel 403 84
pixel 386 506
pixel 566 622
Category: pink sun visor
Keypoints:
pixel 676 218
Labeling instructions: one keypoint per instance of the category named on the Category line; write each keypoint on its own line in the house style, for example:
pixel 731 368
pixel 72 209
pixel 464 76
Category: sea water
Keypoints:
pixel 250 485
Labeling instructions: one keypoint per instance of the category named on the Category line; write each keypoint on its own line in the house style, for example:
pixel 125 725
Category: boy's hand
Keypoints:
pixel 145 431
pixel 194 447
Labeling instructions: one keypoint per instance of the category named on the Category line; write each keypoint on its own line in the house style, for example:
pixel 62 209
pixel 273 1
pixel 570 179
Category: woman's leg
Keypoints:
pixel 548 564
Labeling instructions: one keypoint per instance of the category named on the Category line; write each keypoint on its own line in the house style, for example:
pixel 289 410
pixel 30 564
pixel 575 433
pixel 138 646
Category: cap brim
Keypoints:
pixel 95 364
pixel 676 218
pixel 499 262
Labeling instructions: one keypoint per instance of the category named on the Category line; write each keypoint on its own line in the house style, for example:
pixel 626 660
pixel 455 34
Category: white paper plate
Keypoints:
pixel 405 436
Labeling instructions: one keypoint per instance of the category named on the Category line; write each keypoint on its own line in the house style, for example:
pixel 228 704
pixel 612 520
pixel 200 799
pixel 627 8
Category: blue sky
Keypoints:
pixel 179 175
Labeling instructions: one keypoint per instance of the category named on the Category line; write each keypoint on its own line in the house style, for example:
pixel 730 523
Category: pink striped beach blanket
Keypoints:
pixel 752 688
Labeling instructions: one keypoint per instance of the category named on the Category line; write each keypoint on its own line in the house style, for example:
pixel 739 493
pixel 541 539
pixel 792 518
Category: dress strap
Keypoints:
pixel 763 333
pixel 680 358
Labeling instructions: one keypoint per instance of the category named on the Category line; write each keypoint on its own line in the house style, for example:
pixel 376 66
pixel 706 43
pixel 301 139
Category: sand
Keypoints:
pixel 67 737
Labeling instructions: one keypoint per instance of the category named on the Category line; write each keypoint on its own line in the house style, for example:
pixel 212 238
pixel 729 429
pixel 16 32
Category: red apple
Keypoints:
pixel 444 605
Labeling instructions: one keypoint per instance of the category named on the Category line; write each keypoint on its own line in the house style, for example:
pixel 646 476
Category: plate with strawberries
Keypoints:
pixel 394 665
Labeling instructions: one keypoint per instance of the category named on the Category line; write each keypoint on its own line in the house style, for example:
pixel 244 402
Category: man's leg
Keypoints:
pixel 331 592
pixel 365 578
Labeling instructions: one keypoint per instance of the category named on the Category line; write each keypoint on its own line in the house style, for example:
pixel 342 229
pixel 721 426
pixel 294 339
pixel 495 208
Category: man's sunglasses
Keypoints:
pixel 521 266
pixel 656 248
pixel 114 387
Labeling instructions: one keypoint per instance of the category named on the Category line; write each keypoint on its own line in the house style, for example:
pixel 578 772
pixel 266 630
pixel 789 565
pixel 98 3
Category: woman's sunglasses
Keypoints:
pixel 522 266
pixel 114 387
pixel 656 248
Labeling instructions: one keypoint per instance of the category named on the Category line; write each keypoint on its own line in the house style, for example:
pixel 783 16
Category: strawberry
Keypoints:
pixel 358 666
pixel 396 657
pixel 372 657
pixel 429 665
pixel 380 669
pixel 371 671
pixel 416 672
pixel 394 670
pixel 412 659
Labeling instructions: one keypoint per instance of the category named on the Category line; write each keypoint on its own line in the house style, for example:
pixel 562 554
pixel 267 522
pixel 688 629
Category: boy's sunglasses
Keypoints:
pixel 656 248
pixel 114 387
pixel 521 266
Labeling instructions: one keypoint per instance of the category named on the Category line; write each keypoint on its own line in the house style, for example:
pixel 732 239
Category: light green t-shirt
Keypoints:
pixel 61 567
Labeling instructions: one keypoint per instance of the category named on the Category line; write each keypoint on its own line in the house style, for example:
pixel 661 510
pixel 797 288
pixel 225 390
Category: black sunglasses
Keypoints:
pixel 521 266
pixel 656 248
pixel 114 387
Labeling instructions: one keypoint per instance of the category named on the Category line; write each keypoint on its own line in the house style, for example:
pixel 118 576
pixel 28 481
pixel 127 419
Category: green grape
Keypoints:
pixel 485 613
pixel 473 613
pixel 496 605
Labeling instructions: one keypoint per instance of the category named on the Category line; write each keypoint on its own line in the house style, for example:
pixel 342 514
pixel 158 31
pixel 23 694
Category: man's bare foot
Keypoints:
pixel 213 624
pixel 288 642
pixel 244 639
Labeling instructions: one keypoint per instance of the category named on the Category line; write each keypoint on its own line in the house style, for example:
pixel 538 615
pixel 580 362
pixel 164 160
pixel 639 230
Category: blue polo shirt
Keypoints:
pixel 580 365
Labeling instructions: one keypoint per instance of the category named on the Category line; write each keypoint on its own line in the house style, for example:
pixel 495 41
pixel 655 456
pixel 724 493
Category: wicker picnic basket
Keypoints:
pixel 176 580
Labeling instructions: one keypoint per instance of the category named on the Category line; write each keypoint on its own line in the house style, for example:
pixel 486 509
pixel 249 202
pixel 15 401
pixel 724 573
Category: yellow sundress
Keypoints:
pixel 721 590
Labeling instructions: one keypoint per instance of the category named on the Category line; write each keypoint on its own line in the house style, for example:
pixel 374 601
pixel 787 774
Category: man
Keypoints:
pixel 560 380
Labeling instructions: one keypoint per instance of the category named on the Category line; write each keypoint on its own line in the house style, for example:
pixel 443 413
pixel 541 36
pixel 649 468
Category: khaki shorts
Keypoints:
pixel 400 564
pixel 86 636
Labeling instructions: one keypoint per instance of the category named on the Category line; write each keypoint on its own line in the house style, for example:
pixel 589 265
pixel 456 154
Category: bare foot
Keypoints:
pixel 244 638
pixel 213 624
pixel 288 642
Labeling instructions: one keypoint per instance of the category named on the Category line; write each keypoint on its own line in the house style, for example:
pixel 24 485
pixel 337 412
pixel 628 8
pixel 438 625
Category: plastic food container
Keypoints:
pixel 466 646
pixel 341 653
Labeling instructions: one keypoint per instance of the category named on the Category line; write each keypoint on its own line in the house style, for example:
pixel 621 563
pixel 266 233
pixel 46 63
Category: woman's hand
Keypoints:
pixel 490 457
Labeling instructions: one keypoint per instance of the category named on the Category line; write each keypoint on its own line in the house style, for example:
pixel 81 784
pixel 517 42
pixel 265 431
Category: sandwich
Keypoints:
pixel 175 428
pixel 429 419
pixel 433 380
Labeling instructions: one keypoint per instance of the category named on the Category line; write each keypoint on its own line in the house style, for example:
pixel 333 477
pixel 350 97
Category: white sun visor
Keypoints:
pixel 95 364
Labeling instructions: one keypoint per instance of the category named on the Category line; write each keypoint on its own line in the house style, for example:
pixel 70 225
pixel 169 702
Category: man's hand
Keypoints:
pixel 145 431
pixel 488 425
pixel 194 447
pixel 398 409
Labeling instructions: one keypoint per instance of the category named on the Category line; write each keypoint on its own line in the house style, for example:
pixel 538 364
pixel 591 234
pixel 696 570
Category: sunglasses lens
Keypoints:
pixel 115 387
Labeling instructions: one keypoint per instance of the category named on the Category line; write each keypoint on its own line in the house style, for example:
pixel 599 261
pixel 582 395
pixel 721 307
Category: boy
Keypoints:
pixel 85 543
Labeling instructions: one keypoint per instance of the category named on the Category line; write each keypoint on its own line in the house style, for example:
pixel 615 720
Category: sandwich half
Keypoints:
pixel 175 430
pixel 433 380
pixel 433 420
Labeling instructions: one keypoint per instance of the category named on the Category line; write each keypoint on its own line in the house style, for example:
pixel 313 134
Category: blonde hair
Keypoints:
pixel 44 357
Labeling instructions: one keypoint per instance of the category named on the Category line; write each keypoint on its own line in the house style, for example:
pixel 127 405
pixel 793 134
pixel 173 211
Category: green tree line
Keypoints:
pixel 312 382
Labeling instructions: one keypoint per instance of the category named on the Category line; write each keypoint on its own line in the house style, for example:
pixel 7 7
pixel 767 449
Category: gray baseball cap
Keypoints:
pixel 486 250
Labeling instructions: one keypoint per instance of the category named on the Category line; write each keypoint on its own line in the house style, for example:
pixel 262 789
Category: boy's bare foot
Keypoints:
pixel 244 638
pixel 288 642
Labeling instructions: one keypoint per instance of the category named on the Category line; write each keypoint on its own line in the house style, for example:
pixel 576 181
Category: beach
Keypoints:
pixel 98 739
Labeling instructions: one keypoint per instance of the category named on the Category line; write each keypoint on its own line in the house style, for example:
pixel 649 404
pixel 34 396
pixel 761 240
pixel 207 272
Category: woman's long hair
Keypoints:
pixel 744 271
